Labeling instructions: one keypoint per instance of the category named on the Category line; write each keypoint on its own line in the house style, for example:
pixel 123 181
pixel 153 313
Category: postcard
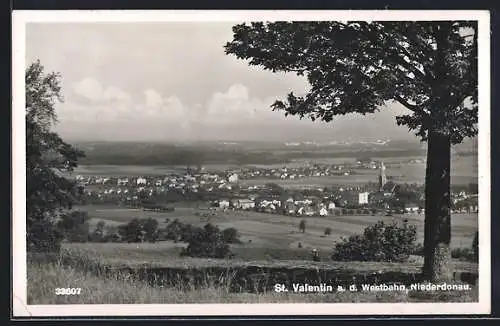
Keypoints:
pixel 251 163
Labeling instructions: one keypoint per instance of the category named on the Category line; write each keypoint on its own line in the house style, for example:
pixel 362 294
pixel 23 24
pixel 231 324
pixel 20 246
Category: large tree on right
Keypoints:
pixel 357 67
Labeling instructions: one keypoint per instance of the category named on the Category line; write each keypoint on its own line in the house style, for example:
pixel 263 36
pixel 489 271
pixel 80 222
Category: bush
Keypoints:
pixel 328 231
pixel 418 250
pixel 44 236
pixel 463 254
pixel 379 242
pixel 208 243
pixel 150 226
pixel 132 231
pixel 74 226
pixel 230 235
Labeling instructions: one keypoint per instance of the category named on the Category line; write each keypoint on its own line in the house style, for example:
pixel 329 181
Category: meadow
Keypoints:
pixel 43 278
pixel 275 236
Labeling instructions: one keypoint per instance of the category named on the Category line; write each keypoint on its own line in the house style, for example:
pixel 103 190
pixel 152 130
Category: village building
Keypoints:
pixel 290 208
pixel 223 203
pixel 122 182
pixel 411 208
pixel 233 178
pixel 363 198
pixel 246 204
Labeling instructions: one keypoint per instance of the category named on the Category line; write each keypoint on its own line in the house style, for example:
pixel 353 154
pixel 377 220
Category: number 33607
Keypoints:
pixel 68 291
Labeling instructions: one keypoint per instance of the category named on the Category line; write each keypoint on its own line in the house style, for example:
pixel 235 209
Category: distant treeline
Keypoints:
pixel 167 154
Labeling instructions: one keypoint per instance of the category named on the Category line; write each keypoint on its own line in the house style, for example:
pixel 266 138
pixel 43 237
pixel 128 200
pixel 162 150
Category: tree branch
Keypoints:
pixel 410 106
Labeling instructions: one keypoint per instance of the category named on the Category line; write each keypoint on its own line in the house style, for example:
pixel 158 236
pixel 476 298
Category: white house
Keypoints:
pixel 224 203
pixel 141 181
pixel 122 182
pixel 363 198
pixel 411 208
pixel 246 203
pixel 323 211
pixel 233 178
pixel 331 205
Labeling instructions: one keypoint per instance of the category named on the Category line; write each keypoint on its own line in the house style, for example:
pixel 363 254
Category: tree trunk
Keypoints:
pixel 437 209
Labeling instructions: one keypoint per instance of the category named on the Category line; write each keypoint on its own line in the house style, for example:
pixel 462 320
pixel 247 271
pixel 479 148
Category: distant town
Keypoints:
pixel 229 190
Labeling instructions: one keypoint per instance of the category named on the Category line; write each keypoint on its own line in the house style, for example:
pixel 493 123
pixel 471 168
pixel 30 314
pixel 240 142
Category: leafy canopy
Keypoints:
pixel 356 67
pixel 48 157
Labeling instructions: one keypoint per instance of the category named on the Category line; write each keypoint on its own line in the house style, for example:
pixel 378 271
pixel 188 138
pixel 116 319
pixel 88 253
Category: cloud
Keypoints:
pixel 153 98
pixel 232 113
pixel 169 110
pixel 237 106
pixel 91 92
pixel 89 89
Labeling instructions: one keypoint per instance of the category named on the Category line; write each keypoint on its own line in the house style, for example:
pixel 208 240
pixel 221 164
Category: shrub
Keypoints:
pixel 173 230
pixel 74 226
pixel 132 231
pixel 150 226
pixel 418 250
pixel 379 242
pixel 328 231
pixel 230 235
pixel 207 242
pixel 462 254
pixel 43 236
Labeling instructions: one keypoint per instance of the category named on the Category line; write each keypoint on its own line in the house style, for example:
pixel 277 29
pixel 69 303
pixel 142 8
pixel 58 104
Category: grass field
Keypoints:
pixel 44 278
pixel 282 232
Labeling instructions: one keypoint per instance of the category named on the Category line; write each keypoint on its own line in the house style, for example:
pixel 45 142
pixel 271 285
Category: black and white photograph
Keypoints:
pixel 183 163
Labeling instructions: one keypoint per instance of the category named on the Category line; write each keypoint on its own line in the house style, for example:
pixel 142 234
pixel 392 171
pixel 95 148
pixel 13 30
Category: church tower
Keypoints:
pixel 382 178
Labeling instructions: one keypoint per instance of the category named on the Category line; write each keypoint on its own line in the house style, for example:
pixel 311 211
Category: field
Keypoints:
pixel 43 278
pixel 273 236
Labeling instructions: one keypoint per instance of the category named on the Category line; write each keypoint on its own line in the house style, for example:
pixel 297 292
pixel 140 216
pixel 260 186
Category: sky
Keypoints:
pixel 172 81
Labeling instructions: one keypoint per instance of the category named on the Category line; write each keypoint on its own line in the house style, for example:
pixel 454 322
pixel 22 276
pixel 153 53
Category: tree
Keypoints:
pixel 302 226
pixel 98 234
pixel 74 226
pixel 379 242
pixel 207 242
pixel 328 231
pixel 230 235
pixel 150 226
pixel 132 231
pixel 49 193
pixel 356 67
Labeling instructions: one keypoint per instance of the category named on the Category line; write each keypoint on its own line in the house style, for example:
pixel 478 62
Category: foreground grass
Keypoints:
pixel 44 278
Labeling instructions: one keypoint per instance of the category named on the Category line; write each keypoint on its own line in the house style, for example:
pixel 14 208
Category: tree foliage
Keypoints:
pixel 379 242
pixel 429 67
pixel 48 157
pixel 356 67
pixel 74 226
pixel 207 242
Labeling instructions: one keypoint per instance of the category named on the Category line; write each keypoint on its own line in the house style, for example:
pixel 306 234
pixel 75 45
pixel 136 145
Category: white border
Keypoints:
pixel 20 307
